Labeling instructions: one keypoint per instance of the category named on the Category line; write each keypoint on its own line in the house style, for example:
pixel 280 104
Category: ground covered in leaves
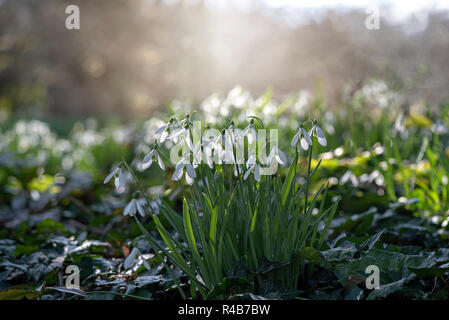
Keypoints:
pixel 38 244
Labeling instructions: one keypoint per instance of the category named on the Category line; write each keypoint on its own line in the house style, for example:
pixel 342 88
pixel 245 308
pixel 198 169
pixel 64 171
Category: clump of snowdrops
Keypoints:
pixel 235 215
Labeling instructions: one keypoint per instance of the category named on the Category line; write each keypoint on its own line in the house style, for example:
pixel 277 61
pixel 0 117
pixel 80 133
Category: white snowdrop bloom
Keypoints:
pixel 255 167
pixel 278 155
pixel 134 206
pixel 179 171
pixel 119 178
pixel 164 130
pixel 182 135
pixel 250 132
pixel 176 134
pixel 303 136
pixel 185 123
pixel 150 157
pixel 316 130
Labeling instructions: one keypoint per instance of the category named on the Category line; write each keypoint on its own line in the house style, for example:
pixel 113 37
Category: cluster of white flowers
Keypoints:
pixel 213 147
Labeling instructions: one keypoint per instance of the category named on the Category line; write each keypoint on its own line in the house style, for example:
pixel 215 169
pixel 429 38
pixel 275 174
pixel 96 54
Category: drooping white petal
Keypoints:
pixel 121 178
pixel 130 208
pixel 149 156
pixel 322 141
pixel 306 136
pixel 160 162
pixel 161 129
pixel 109 177
pixel 304 144
pixel 319 132
pixel 140 208
pixel 117 182
pixel 251 134
pixel 146 165
pixel 248 172
pixel 295 138
pixel 189 179
pixel 190 171
pixel 163 137
pixel 178 173
pixel 280 157
pixel 257 173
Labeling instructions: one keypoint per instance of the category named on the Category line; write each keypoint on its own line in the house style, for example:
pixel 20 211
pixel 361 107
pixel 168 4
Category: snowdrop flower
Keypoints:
pixel 251 132
pixel 255 167
pixel 182 135
pixel 316 130
pixel 208 138
pixel 119 177
pixel 179 171
pixel 134 206
pixel 150 157
pixel 186 120
pixel 304 138
pixel 278 155
pixel 164 130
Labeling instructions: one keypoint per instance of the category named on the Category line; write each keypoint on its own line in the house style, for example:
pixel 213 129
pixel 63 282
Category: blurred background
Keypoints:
pixel 130 58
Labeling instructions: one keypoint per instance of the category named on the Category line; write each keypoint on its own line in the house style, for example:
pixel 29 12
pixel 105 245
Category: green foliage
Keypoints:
pixel 377 195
